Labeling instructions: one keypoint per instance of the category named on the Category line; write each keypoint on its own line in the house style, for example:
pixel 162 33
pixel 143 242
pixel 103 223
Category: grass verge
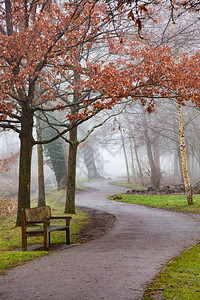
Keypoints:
pixel 180 280
pixel 10 235
pixel 128 185
pixel 170 202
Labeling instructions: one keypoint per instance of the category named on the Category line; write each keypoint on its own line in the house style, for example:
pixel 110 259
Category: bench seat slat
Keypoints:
pixel 50 228
pixel 55 228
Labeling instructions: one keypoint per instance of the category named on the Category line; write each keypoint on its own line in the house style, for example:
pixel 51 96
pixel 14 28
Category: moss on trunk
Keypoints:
pixel 71 178
pixel 26 145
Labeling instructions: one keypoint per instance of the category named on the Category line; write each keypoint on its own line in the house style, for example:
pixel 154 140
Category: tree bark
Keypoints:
pixel 71 177
pixel 155 173
pixel 89 161
pixel 26 145
pixel 132 162
pixel 178 173
pixel 9 23
pixel 125 156
pixel 56 158
pixel 41 188
pixel 187 184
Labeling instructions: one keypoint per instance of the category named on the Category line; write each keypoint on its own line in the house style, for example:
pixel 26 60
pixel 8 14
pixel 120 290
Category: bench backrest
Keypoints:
pixel 37 213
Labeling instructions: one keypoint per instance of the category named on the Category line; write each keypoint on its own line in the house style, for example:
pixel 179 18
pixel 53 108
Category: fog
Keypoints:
pixel 141 144
pixel 114 165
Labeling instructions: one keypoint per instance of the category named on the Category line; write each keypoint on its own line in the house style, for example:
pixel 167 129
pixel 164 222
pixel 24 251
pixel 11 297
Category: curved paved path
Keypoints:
pixel 117 266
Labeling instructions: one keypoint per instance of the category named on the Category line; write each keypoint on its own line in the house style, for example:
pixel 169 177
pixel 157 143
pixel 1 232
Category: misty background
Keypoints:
pixel 128 146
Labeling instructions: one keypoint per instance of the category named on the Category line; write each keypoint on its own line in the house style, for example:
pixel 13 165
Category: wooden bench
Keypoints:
pixel 41 215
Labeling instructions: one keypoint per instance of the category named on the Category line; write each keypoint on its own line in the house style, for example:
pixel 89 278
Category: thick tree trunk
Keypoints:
pixel 41 188
pixel 156 155
pixel 188 189
pixel 71 178
pixel 56 158
pixel 26 145
pixel 89 161
pixel 155 173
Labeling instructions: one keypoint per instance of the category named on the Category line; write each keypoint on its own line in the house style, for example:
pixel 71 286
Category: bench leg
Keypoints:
pixel 46 236
pixel 24 243
pixel 67 236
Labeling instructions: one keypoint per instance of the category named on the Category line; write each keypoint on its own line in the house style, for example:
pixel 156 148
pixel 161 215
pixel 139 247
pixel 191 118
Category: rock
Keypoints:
pixel 117 197
pixel 151 188
pixel 196 188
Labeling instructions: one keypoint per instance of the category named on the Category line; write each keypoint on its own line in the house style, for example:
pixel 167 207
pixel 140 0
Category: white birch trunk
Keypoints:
pixel 187 184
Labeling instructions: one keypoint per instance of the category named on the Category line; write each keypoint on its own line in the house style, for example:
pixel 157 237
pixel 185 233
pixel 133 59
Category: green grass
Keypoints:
pixel 10 235
pixel 180 280
pixel 128 185
pixel 10 259
pixel 170 202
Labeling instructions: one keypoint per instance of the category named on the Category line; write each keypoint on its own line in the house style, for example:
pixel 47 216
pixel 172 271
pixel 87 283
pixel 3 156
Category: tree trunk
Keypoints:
pixel 71 178
pixel 178 173
pixel 156 155
pixel 155 173
pixel 41 188
pixel 138 161
pixel 187 184
pixel 132 162
pixel 89 161
pixel 125 156
pixel 56 157
pixel 26 145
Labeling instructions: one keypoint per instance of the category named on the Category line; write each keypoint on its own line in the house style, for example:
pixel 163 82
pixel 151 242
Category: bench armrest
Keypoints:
pixel 67 219
pixel 62 217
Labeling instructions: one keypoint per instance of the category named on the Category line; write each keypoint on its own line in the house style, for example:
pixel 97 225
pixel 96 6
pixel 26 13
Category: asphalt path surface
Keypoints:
pixel 116 266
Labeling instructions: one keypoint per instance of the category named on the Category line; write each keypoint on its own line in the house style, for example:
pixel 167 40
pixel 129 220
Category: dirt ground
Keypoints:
pixel 99 223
